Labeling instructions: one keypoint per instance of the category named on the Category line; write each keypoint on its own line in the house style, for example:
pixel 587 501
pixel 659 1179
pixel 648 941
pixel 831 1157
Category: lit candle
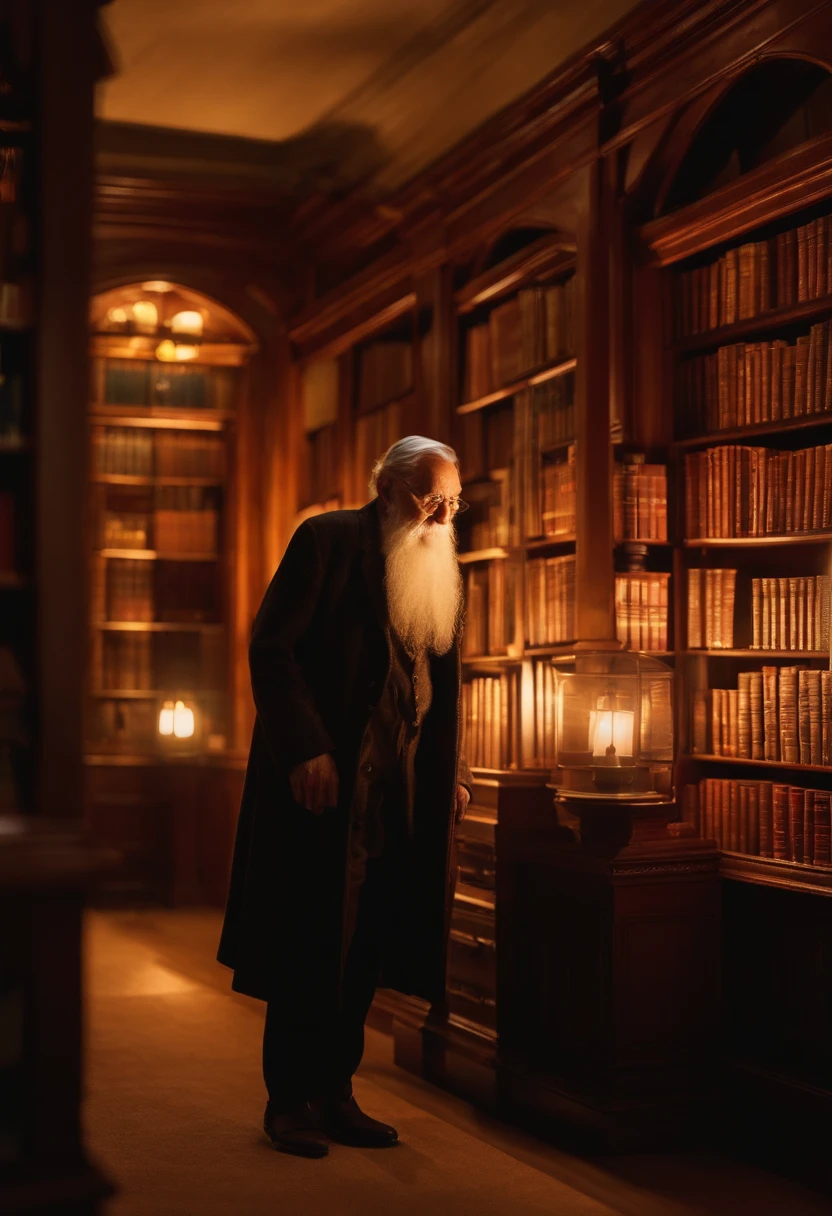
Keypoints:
pixel 183 721
pixel 166 351
pixel 166 718
pixel 611 729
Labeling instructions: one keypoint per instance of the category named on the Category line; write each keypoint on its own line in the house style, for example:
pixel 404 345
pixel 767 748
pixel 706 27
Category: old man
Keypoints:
pixel 342 865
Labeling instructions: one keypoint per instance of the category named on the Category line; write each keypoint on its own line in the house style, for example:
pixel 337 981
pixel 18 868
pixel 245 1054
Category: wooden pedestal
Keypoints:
pixel 608 935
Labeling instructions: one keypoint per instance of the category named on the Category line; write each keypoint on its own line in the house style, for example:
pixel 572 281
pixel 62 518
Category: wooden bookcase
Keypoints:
pixel 167 389
pixel 356 398
pixel 739 278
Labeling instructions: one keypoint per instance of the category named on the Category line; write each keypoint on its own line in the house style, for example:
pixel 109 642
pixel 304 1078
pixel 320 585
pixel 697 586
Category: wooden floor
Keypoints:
pixel 175 1099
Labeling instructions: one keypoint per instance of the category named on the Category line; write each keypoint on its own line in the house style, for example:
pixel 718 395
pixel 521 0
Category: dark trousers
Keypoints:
pixel 317 1056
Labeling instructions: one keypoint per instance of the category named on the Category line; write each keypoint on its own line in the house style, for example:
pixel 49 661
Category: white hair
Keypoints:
pixel 404 457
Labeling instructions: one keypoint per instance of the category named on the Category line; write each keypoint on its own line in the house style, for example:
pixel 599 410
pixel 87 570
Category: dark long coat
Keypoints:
pixel 319 656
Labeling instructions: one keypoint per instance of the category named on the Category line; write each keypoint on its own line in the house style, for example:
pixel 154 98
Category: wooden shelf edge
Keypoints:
pixel 483 555
pixel 725 335
pixel 719 653
pixel 781 765
pixel 154 555
pixel 541 255
pixel 157 626
pixel 517 386
pixel 773 872
pixel 781 426
pixel 751 542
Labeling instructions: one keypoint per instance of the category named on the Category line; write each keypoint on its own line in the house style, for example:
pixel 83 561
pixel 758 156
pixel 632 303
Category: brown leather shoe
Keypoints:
pixel 344 1120
pixel 298 1131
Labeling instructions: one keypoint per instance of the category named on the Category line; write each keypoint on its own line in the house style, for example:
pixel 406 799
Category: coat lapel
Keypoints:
pixel 372 561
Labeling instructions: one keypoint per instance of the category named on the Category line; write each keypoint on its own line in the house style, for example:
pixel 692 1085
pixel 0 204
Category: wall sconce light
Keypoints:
pixel 188 322
pixel 145 316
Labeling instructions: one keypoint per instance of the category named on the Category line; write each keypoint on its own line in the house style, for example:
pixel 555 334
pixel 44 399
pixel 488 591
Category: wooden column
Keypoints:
pixel 66 53
pixel 594 575
pixel 434 291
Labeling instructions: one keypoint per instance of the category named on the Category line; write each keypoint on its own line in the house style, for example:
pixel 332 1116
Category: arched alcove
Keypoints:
pixel 167 386
pixel 777 105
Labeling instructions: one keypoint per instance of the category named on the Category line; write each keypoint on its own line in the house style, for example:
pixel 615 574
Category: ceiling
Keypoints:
pixel 368 90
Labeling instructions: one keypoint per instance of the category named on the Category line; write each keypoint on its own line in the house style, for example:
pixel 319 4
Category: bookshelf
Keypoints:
pixel 749 360
pixel 355 401
pixel 514 432
pixel 166 385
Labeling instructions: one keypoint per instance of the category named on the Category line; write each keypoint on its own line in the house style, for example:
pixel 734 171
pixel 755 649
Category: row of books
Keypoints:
pixel 146 661
pixel 791 613
pixel 711 596
pixel 125 530
pixel 762 818
pixel 489 721
pixel 553 410
pixel 123 661
pixel 544 416
pixel 750 383
pixel 490 608
pixel 178 531
pixel 641 610
pixel 320 473
pixel 735 491
pixel 640 501
pixel 782 714
pixel 374 433
pixel 542 738
pixel 385 372
pixel 559 505
pixel 141 382
pixel 140 452
pixel 487 441
pixel 550 600
pixel 129 591
pixel 748 281
pixel 536 327
pixel 489 522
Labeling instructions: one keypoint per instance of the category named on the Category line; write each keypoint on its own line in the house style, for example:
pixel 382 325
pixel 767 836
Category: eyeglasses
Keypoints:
pixel 430 503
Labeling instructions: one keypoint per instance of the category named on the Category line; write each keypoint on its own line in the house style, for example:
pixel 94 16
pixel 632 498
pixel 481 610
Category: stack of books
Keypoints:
pixel 641 610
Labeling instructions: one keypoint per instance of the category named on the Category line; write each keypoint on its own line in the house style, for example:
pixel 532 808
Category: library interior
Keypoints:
pixel 244 252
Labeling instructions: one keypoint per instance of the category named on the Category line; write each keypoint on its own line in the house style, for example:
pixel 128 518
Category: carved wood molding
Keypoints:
pixel 796 179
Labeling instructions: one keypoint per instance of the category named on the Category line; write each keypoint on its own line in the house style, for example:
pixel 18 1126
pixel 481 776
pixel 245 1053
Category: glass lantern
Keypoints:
pixel 614 727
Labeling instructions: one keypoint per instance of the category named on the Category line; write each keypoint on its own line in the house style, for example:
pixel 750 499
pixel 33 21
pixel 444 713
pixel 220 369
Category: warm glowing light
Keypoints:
pixel 183 353
pixel 183 721
pixel 188 322
pixel 156 285
pixel 166 351
pixel 145 315
pixel 611 728
pixel 166 718
pixel 117 316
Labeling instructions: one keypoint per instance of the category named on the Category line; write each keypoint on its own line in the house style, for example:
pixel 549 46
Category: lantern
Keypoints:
pixel 614 726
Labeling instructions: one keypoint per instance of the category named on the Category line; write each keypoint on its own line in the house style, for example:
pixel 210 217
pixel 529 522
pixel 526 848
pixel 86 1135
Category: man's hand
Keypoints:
pixel 315 783
pixel 461 803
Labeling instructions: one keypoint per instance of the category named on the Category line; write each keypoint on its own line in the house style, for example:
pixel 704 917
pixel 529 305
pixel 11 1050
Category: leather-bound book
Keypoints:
pixel 766 845
pixel 796 822
pixel 822 828
pixel 809 827
pixel 756 711
pixel 770 714
pixel 744 817
pixel 780 821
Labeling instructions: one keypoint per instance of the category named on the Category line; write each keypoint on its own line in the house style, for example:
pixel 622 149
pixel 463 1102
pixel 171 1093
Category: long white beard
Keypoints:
pixel 423 583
